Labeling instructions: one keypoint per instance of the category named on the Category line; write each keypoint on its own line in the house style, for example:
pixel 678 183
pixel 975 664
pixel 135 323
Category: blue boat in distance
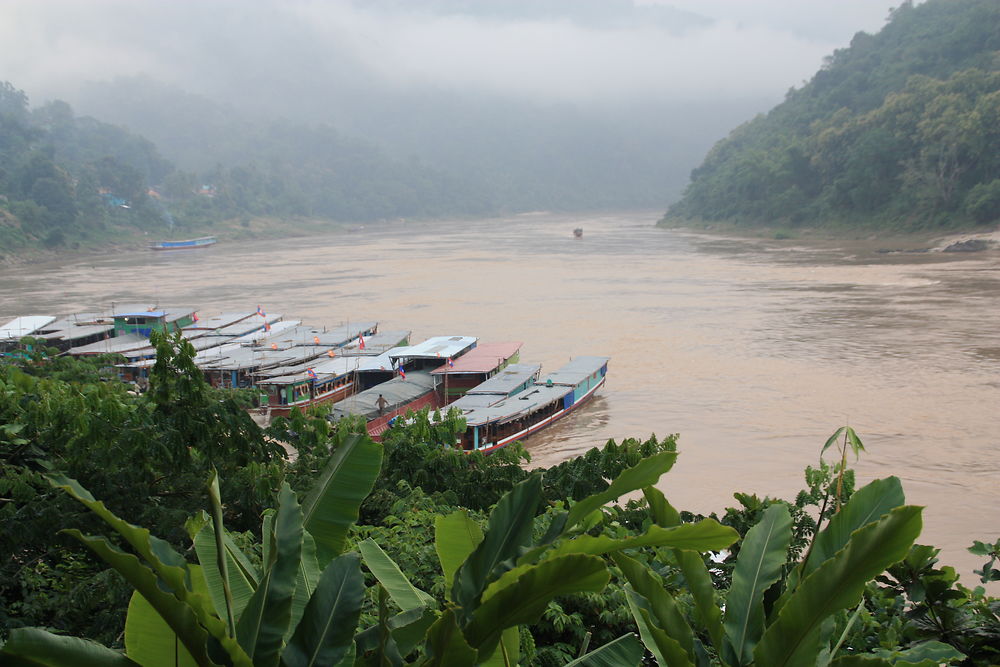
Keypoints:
pixel 184 245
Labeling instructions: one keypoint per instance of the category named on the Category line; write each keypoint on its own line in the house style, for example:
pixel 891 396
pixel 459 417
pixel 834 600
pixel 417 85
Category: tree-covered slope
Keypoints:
pixel 900 130
pixel 68 179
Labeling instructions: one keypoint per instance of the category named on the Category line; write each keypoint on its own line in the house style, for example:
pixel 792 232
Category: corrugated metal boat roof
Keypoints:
pixel 522 403
pixel 220 320
pixel 337 337
pixel 252 325
pixel 506 380
pixel 76 332
pixel 438 347
pixel 246 358
pixel 376 344
pixel 25 325
pixel 117 345
pixel 396 391
pixel 575 371
pixel 324 368
pixel 483 358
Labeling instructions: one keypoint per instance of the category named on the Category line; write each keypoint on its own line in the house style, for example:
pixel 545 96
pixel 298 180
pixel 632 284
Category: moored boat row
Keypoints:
pixel 353 368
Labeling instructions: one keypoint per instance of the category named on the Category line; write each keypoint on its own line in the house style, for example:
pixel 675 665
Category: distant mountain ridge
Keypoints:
pixel 70 180
pixel 901 130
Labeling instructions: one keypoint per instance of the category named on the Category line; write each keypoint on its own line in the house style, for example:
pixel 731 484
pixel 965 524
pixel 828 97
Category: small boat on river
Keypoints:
pixel 187 244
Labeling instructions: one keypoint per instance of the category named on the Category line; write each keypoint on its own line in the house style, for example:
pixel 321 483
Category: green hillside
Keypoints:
pixel 70 181
pixel 899 131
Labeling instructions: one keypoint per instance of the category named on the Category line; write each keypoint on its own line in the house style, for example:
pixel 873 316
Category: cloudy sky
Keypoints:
pixel 559 50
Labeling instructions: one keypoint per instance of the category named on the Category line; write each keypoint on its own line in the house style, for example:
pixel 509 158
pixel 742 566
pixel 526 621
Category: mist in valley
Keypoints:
pixel 557 105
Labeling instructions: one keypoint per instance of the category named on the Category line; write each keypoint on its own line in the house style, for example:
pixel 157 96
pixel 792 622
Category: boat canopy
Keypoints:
pixel 438 347
pixel 576 371
pixel 338 337
pixel 118 345
pixel 220 321
pixel 523 403
pixel 397 392
pixel 483 358
pixel 247 358
pixel 376 344
pixel 253 327
pixel 324 368
pixel 19 327
pixel 76 332
pixel 506 381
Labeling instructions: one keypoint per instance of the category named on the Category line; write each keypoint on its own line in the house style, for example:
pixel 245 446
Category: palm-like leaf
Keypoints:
pixel 266 618
pixel 758 567
pixel 793 637
pixel 326 631
pixel 332 506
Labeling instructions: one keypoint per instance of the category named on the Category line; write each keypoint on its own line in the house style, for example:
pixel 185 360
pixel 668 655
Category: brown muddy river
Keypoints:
pixel 753 351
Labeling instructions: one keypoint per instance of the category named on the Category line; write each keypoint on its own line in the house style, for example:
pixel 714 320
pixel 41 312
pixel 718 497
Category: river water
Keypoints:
pixel 753 351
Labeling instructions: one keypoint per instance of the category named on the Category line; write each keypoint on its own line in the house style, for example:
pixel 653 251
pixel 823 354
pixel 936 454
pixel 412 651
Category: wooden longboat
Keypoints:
pixel 327 380
pixel 458 376
pixel 186 244
pixel 402 394
pixel 516 417
pixel 303 390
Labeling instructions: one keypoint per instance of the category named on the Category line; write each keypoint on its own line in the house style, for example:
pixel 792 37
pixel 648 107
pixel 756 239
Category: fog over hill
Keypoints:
pixel 546 104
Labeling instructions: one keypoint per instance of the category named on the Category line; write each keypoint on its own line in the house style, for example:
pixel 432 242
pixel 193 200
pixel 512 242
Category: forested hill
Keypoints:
pixel 899 131
pixel 67 180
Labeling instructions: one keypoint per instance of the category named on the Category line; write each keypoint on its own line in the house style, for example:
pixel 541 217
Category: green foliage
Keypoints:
pixel 64 414
pixel 899 130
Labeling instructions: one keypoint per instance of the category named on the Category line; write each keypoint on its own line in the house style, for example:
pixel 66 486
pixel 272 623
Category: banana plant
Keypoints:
pixel 873 530
pixel 301 608
pixel 501 578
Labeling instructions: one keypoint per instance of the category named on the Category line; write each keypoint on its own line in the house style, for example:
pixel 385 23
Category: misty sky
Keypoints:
pixel 564 51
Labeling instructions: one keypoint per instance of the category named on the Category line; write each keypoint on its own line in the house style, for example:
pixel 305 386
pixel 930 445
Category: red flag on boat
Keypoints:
pixel 311 373
pixel 402 373
pixel 451 364
pixel 195 316
pixel 316 339
pixel 361 342
pixel 260 311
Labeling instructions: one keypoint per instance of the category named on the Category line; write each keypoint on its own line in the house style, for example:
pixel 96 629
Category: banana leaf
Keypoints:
pixel 793 638
pixel 332 506
pixel 455 537
pixel 665 649
pixel 326 632
pixel 33 647
pixel 267 616
pixel 509 530
pixel 524 601
pixel 658 601
pixel 626 650
pixel 758 567
pixel 402 592
pixel 446 645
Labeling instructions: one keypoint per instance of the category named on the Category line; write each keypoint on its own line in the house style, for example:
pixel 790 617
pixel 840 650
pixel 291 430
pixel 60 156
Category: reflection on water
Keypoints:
pixel 753 351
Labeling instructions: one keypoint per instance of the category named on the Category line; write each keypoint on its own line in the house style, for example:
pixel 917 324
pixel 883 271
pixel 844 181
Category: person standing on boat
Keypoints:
pixel 382 404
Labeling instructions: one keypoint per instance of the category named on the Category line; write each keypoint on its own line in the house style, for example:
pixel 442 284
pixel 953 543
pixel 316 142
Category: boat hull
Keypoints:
pixel 184 245
pixel 539 425
pixel 338 394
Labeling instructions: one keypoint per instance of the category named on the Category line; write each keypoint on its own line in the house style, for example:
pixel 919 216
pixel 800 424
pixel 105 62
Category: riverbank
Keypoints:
pixel 129 239
pixel 856 241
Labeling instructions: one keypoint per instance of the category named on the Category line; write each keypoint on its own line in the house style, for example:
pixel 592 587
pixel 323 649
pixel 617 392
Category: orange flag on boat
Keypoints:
pixel 361 342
